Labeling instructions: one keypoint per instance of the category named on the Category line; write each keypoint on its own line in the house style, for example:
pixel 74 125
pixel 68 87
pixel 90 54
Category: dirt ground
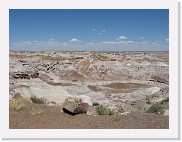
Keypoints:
pixel 54 119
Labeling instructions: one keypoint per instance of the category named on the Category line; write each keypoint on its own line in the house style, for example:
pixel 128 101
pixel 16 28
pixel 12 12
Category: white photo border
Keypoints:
pixel 171 133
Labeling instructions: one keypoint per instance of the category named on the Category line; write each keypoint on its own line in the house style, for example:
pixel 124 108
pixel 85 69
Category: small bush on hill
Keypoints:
pixel 17 105
pixel 95 104
pixel 38 100
pixel 159 107
pixel 156 108
pixel 101 110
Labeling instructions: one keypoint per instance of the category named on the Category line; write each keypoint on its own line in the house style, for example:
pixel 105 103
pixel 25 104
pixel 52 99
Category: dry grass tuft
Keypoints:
pixel 37 112
pixel 17 105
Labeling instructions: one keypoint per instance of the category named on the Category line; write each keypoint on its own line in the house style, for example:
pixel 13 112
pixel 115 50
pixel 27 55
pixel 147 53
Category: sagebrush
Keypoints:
pixel 102 110
pixel 159 107
pixel 37 100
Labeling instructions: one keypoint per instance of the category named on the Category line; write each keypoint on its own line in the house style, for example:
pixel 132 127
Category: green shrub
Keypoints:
pixel 159 107
pixel 95 104
pixel 165 103
pixel 74 80
pixel 38 100
pixel 156 108
pixel 17 105
pixel 101 110
pixel 37 112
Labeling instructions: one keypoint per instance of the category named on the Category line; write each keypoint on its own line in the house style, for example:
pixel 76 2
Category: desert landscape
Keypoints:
pixel 89 90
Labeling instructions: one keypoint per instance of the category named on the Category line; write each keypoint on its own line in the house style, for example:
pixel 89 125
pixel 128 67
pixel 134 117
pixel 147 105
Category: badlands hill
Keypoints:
pixel 129 83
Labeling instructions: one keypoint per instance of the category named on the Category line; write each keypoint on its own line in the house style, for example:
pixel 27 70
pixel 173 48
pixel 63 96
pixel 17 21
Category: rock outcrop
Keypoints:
pixel 73 105
pixel 25 75
pixel 83 66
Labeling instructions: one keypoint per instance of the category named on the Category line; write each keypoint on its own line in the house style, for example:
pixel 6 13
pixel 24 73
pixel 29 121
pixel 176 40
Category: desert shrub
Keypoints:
pixel 156 108
pixel 37 112
pixel 74 80
pixel 117 116
pixel 148 100
pixel 101 110
pixel 38 100
pixel 17 105
pixel 95 104
pixel 165 101
pixel 159 107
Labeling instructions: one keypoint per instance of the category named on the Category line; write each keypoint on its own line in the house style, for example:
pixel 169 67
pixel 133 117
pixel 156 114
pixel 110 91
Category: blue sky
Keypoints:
pixel 113 30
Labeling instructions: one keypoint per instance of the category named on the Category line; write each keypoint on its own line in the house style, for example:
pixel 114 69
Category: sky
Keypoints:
pixel 89 29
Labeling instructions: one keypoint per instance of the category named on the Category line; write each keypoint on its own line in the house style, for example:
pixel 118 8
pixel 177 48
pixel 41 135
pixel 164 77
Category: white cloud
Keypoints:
pixel 53 42
pixel 144 42
pixel 104 30
pixel 27 42
pixel 64 43
pixel 130 41
pixel 93 29
pixel 51 39
pixel 75 43
pixel 110 42
pixel 167 40
pixel 121 37
pixel 141 37
pixel 74 40
pixel 100 33
pixel 114 42
pixel 123 42
pixel 156 44
pixel 37 45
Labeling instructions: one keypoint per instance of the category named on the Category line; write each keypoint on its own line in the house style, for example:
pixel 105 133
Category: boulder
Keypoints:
pixel 18 96
pixel 73 105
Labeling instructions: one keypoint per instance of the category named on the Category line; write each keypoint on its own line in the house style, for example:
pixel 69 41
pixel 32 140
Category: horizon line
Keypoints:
pixel 89 50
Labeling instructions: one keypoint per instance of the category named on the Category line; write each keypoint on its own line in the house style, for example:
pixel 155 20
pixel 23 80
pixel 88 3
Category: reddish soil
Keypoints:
pixel 54 119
